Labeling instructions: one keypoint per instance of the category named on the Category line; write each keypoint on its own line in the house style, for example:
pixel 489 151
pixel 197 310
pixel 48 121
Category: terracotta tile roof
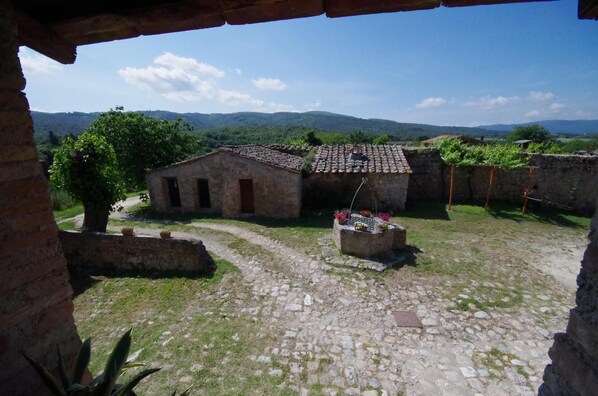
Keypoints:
pixel 370 159
pixel 267 155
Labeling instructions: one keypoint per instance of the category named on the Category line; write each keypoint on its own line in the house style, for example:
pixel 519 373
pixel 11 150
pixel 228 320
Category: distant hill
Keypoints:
pixel 75 123
pixel 565 127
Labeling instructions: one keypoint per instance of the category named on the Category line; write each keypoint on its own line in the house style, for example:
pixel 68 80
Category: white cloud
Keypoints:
pixel 537 96
pixel 270 84
pixel 431 102
pixel 313 106
pixel 488 102
pixel 532 114
pixel 38 64
pixel 556 107
pixel 183 79
pixel 189 65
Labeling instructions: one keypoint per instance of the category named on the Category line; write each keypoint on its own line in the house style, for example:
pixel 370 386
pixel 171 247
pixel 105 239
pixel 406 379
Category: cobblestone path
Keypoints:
pixel 337 328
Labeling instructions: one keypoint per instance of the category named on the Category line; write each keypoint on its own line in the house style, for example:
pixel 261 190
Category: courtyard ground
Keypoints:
pixel 286 313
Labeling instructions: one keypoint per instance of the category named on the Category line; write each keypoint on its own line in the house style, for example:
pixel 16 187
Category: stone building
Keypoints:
pixel 272 181
pixel 231 181
pixel 337 172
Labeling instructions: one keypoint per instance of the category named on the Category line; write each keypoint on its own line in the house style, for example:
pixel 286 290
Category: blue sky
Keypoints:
pixel 449 66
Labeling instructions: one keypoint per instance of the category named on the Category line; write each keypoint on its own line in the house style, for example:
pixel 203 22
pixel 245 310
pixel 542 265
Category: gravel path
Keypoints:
pixel 336 326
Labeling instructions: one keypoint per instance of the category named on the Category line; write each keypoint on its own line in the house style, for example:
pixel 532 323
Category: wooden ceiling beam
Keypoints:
pixel 343 8
pixel 466 3
pixel 588 9
pixel 274 11
pixel 44 40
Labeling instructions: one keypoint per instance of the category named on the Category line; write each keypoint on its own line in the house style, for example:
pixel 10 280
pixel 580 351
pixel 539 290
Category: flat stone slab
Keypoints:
pixel 407 319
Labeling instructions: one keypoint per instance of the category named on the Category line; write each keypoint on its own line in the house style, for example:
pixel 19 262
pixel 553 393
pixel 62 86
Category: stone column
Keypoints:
pixel 36 310
pixel 574 354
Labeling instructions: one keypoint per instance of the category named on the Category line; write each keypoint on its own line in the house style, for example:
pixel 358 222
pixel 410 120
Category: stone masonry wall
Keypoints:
pixel 36 311
pixel 335 190
pixel 105 252
pixel 570 180
pixel 277 192
pixel 425 181
pixel 574 354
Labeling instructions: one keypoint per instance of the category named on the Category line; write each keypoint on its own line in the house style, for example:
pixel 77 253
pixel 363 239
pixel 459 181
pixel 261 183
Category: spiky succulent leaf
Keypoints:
pixel 128 387
pixel 114 365
pixel 46 377
pixel 64 377
pixel 82 361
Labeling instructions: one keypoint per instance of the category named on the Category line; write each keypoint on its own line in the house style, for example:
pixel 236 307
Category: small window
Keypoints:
pixel 173 192
pixel 203 193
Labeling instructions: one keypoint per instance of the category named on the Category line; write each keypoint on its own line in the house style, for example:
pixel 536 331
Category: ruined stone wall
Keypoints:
pixel 105 252
pixel 571 180
pixel 277 191
pixel 336 190
pixel 574 354
pixel 36 311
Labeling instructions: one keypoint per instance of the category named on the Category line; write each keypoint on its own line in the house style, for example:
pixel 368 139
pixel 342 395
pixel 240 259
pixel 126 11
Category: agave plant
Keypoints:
pixel 102 385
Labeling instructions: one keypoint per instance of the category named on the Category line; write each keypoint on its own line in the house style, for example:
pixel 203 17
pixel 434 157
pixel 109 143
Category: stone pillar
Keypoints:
pixel 36 310
pixel 574 354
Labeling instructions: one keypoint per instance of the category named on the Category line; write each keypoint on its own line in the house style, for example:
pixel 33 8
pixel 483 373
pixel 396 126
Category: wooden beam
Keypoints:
pixel 588 9
pixel 44 40
pixel 342 8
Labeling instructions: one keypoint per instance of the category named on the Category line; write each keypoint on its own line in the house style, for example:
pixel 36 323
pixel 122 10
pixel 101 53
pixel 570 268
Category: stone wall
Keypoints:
pixel 574 354
pixel 571 180
pixel 336 190
pixel 36 311
pixel 277 191
pixel 425 181
pixel 105 252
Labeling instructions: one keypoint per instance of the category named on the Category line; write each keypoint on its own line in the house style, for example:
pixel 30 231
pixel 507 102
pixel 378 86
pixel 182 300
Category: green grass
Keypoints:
pixel 70 212
pixel 68 225
pixel 189 327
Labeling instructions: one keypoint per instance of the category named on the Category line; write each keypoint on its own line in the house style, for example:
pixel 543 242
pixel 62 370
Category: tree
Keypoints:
pixel 88 170
pixel 143 143
pixel 310 138
pixel 382 139
pixel 535 133
pixel 360 137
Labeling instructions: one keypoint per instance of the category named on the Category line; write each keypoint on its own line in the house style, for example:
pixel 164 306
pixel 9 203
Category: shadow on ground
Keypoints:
pixel 82 280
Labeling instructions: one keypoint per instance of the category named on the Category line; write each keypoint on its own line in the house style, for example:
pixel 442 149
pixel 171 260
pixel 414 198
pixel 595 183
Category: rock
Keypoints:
pixel 468 372
pixel 307 300
pixel 481 315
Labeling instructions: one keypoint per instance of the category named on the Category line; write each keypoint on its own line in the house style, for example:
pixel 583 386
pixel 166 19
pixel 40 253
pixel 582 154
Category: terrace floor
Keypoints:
pixel 291 315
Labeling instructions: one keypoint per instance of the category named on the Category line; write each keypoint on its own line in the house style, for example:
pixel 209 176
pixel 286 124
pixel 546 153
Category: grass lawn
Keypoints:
pixel 194 329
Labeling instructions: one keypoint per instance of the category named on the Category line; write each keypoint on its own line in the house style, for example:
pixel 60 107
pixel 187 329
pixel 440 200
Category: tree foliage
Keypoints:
pixel 143 143
pixel 535 133
pixel 382 139
pixel 506 156
pixel 88 170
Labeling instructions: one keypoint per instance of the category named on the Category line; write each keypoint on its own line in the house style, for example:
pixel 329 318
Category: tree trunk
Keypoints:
pixel 95 220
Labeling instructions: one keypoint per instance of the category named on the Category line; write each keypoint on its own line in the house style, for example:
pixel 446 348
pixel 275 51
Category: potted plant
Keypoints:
pixel 127 231
pixel 359 226
pixel 341 217
pixel 384 216
pixel 165 234
pixel 365 213
pixel 383 227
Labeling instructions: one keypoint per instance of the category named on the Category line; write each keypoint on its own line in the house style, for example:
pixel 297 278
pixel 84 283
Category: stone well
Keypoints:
pixel 363 244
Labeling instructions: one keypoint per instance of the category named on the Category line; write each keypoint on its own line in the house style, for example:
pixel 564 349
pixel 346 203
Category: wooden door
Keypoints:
pixel 173 192
pixel 246 187
pixel 203 192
